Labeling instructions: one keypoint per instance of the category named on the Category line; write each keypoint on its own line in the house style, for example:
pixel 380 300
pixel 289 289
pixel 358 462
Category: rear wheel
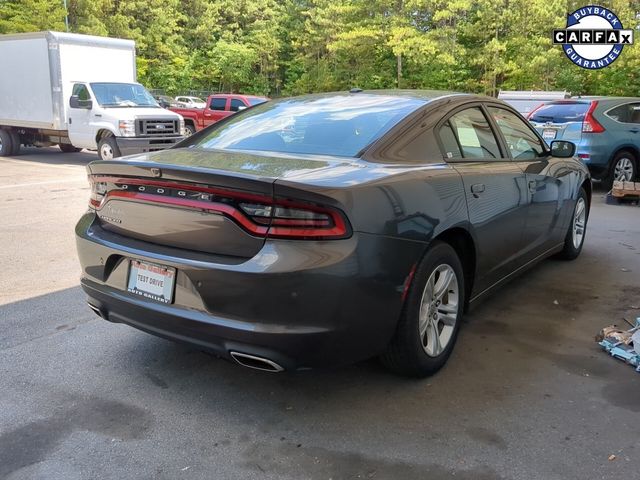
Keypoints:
pixel 429 324
pixel 624 167
pixel 108 148
pixel 68 148
pixel 16 142
pixel 574 239
pixel 6 143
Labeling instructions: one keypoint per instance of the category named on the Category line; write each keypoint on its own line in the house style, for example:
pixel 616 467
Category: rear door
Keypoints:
pixel 544 224
pixel 495 190
pixel 217 109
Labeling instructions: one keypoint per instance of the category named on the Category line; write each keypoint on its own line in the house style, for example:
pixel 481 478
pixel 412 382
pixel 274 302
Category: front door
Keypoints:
pixel 545 226
pixel 495 190
pixel 81 133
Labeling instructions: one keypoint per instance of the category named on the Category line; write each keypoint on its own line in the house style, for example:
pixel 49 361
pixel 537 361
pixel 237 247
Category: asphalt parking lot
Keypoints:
pixel 527 393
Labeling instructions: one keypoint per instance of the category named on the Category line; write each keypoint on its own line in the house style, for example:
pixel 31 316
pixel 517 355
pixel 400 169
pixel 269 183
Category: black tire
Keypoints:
pixel 571 251
pixel 68 148
pixel 627 162
pixel 406 354
pixel 6 143
pixel 104 145
pixel 16 142
pixel 189 129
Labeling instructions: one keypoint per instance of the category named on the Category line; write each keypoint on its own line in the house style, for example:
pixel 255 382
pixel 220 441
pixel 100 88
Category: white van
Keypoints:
pixel 78 91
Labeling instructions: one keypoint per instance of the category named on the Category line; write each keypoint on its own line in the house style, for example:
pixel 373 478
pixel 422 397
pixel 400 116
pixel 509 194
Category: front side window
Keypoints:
pixel 341 125
pixel 237 105
pixel 521 141
pixel 474 136
pixel 81 91
pixel 218 103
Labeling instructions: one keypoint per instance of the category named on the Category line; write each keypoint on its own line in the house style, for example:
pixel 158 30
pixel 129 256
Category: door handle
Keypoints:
pixel 207 114
pixel 477 189
pixel 533 186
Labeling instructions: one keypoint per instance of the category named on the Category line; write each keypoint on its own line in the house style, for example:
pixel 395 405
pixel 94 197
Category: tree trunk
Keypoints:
pixel 399 70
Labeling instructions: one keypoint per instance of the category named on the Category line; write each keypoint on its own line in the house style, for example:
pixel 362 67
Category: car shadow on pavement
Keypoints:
pixel 53 156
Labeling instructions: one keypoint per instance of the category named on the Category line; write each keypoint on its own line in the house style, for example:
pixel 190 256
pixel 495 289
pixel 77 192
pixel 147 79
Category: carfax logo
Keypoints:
pixel 594 37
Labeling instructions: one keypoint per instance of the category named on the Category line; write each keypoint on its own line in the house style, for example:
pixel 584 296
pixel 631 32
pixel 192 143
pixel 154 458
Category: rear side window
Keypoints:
pixel 521 141
pixel 449 142
pixel 627 113
pixel 218 103
pixel 473 134
pixel 564 112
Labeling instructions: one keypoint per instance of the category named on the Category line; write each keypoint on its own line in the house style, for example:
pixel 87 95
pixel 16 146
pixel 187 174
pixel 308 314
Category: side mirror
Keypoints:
pixel 75 102
pixel 562 149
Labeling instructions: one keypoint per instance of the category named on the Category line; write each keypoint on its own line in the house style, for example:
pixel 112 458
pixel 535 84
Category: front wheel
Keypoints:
pixel 574 240
pixel 108 148
pixel 430 321
pixel 189 130
pixel 6 143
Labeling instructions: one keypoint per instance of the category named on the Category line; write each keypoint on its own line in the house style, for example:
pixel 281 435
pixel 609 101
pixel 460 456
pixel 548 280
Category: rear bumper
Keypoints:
pixel 133 145
pixel 301 304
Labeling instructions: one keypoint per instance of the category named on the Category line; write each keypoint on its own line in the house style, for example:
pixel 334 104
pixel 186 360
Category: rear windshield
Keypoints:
pixel 256 101
pixel 561 112
pixel 338 125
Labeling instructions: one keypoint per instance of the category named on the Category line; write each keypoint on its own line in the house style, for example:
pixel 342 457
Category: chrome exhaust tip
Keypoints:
pixel 257 363
pixel 96 310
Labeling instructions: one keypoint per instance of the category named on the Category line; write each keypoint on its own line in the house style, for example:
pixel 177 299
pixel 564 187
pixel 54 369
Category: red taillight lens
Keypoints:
pixel 257 214
pixel 98 191
pixel 590 124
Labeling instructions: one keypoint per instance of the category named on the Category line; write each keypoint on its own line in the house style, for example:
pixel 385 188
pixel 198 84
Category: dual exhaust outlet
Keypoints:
pixel 244 359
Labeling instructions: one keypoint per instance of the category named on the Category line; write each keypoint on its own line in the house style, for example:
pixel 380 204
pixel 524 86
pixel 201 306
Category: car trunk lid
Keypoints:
pixel 207 201
pixel 562 120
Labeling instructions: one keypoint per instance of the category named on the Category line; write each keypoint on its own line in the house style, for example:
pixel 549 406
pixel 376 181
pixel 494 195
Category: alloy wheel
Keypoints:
pixel 623 171
pixel 579 222
pixel 439 310
pixel 106 152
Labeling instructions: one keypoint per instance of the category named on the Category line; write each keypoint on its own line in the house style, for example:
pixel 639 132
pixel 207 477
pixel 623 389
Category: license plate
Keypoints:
pixel 549 134
pixel 151 281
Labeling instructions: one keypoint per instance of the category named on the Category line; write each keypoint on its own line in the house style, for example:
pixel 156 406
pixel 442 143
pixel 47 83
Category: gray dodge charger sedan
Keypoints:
pixel 327 229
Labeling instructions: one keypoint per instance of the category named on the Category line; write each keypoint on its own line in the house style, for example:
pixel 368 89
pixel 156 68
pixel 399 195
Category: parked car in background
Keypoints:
pixel 367 232
pixel 166 101
pixel 190 102
pixel 606 131
pixel 217 107
pixel 78 91
pixel 525 101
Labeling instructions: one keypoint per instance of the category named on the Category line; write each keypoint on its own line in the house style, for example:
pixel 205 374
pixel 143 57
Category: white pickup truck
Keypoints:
pixel 78 91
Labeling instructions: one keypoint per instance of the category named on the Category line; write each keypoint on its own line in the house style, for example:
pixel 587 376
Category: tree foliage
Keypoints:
pixel 294 46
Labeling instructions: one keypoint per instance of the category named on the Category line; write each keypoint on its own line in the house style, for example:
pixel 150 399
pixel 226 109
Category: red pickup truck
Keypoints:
pixel 219 106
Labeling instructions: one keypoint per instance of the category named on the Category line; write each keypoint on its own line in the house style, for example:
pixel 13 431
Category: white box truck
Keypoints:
pixel 78 91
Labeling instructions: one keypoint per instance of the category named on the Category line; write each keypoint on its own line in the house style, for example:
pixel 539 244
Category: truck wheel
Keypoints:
pixel 16 141
pixel 6 145
pixel 108 148
pixel 68 148
pixel 189 130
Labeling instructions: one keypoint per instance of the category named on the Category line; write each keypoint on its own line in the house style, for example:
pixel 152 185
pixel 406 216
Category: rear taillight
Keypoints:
pixel 259 215
pixel 590 124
